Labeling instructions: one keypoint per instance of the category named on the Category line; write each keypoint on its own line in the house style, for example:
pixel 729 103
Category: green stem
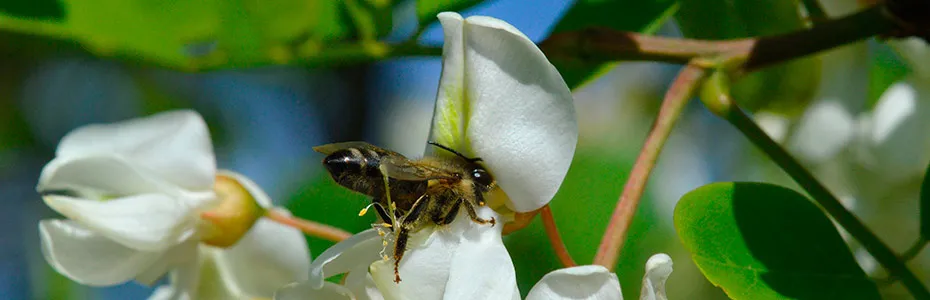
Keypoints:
pixel 882 253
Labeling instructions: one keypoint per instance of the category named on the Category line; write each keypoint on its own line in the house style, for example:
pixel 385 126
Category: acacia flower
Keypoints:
pixel 501 100
pixel 143 196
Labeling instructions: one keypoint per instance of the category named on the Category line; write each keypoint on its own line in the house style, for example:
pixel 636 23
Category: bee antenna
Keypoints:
pixel 477 159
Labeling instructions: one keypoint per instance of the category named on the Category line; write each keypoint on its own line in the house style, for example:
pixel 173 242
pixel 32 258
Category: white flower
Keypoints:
pixel 501 100
pixel 596 282
pixel 134 192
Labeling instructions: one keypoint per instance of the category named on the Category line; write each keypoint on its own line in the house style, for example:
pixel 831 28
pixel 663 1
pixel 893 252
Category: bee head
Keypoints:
pixel 477 172
pixel 481 176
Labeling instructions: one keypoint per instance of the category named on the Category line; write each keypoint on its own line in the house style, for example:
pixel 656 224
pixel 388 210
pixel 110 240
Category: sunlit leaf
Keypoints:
pixel 639 16
pixel 428 9
pixel 762 241
pixel 195 34
pixel 785 88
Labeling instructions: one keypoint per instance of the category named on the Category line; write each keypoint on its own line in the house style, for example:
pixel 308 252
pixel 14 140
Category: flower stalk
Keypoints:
pixel 684 86
pixel 308 227
pixel 555 239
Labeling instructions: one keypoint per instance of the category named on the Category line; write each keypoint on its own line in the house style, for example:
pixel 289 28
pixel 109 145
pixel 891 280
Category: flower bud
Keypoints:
pixel 237 211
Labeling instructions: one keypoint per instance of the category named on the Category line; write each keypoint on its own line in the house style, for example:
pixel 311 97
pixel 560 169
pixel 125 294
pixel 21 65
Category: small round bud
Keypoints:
pixel 237 211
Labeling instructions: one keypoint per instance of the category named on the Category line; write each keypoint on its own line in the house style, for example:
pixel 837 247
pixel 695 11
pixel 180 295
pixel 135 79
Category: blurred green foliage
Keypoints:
pixel 925 206
pixel 786 88
pixel 885 69
pixel 640 16
pixel 763 241
pixel 582 209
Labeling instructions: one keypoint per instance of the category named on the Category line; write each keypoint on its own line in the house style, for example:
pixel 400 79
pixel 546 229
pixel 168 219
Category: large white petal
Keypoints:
pixel 150 222
pixel 304 291
pixel 90 258
pixel 268 257
pixel 175 145
pixel 516 111
pixel 448 127
pixel 658 268
pixel 897 144
pixel 360 249
pixel 464 261
pixel 581 282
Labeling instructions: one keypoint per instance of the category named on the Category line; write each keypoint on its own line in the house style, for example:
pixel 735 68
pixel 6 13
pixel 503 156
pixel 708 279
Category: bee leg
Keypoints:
pixel 382 213
pixel 400 245
pixel 470 208
pixel 407 223
pixel 479 196
pixel 446 217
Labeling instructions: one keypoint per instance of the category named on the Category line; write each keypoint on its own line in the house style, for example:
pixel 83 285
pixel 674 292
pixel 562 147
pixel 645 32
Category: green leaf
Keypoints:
pixel 762 241
pixel 428 9
pixel 925 206
pixel 195 35
pixel 785 88
pixel 640 16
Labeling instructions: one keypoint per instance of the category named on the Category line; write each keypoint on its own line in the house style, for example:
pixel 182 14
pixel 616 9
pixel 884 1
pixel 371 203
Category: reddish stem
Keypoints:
pixel 308 227
pixel 555 239
pixel 675 100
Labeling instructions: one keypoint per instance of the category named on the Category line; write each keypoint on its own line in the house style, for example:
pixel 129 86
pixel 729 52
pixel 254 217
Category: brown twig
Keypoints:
pixel 675 101
pixel 308 227
pixel 599 45
pixel 555 239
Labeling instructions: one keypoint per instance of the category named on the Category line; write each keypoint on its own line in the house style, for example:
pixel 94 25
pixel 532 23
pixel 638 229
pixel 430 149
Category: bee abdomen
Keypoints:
pixel 348 165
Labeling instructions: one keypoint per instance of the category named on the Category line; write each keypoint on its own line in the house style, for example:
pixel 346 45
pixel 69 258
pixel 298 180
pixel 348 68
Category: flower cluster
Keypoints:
pixel 143 198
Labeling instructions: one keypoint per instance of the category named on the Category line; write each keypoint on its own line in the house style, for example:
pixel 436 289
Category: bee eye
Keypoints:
pixel 482 177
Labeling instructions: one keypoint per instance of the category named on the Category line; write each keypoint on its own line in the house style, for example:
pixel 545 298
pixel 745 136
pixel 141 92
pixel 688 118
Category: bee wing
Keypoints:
pixel 330 148
pixel 400 168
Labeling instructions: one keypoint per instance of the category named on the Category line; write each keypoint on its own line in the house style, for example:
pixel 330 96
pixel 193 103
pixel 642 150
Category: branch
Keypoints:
pixel 674 103
pixel 599 45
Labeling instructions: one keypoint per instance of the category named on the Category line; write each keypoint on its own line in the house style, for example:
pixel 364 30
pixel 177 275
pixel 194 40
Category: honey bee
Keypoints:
pixel 410 195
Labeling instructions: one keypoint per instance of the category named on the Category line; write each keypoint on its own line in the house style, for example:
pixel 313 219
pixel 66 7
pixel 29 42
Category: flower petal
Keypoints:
pixel 150 222
pixel 581 282
pixel 175 145
pixel 269 256
pixel 463 261
pixel 448 127
pixel 897 142
pixel 304 290
pixel 362 285
pixel 185 282
pixel 658 268
pixel 516 111
pixel 90 258
pixel 824 130
pixel 360 249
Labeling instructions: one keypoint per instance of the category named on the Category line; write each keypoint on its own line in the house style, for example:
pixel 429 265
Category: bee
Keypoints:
pixel 410 195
